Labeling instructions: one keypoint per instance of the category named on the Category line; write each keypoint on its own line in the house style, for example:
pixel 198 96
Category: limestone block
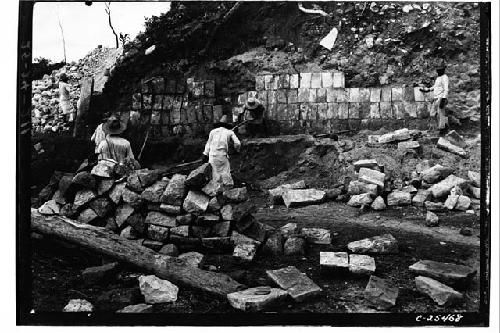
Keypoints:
pixel 354 110
pixel 210 88
pixel 397 94
pixel 269 82
pixel 338 80
pixel 354 96
pixel 386 95
pixel 375 94
pixel 408 94
pixel 321 95
pixel 283 81
pixel 303 95
pixel 343 110
pixel 294 81
pixel 260 83
pixel 375 110
pixel 147 101
pixel 410 109
pixel 158 85
pixel 332 111
pixel 397 110
pixel 137 101
pixel 418 95
pixel 305 80
pixel 327 79
pixel 322 111
pixel 292 96
pixel 281 96
pixel 364 94
pixel 316 80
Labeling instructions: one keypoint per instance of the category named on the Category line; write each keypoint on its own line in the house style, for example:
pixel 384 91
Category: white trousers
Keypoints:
pixel 221 169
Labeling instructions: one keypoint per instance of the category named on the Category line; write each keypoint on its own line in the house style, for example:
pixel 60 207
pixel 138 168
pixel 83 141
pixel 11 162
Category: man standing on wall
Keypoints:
pixel 440 90
pixel 217 151
pixel 64 98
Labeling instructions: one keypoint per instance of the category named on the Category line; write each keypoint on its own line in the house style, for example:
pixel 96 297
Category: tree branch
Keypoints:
pixel 108 11
pixel 312 11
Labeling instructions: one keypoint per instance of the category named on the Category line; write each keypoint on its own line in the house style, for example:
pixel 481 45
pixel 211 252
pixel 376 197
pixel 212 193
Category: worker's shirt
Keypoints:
pixel 441 87
pixel 115 148
pixel 63 91
pixel 219 140
pixel 98 136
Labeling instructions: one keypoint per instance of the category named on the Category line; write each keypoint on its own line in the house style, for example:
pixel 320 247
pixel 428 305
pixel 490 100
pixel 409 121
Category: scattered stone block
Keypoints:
pixel 294 246
pixel 360 200
pixel 398 135
pixel 358 187
pixel 317 235
pixel 451 274
pixel 451 201
pixel 83 197
pixel 448 146
pixel 157 233
pixel 193 259
pixel 475 191
pixel 221 229
pixel 435 206
pixel 214 205
pixel 421 197
pixel 408 145
pixel 256 299
pixel 154 192
pixel 370 164
pixel 227 213
pixel 78 305
pixel 361 264
pixel 439 292
pixel 456 139
pixel 383 244
pixel 238 239
pixel 123 212
pixel 334 261
pixel 100 273
pixel 156 290
pixel 380 294
pixel 103 168
pixel 199 177
pixel 175 190
pixel 236 195
pixel 212 188
pixel 274 245
pixel 372 177
pixel 196 202
pixel 85 179
pixel 475 178
pixel 257 231
pixel 466 231
pixel 444 187
pixel 294 198
pixel 87 216
pixel 50 207
pixel 245 251
pixel 290 229
pixel 160 219
pixel 435 173
pixel 137 308
pixel 277 193
pixel 101 206
pixel 463 203
pixel 431 219
pixel 399 198
pixel 217 244
pixel 182 230
pixel 116 193
pixel 104 185
pixel 378 203
pixel 170 209
pixel 129 233
pixel 297 284
pixel 131 198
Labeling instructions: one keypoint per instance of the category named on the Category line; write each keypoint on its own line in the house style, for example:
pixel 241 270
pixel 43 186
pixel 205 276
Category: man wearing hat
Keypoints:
pixel 114 147
pixel 440 89
pixel 255 110
pixel 217 151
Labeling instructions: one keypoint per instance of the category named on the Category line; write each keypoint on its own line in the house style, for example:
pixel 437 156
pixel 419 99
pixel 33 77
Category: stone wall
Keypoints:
pixel 297 102
pixel 168 103
pixel 320 102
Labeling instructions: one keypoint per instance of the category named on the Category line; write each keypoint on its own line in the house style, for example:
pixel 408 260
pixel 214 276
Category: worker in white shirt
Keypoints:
pixel 217 151
pixel 440 90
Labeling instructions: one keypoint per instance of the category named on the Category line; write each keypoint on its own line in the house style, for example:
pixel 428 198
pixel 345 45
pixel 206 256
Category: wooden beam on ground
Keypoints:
pixel 108 243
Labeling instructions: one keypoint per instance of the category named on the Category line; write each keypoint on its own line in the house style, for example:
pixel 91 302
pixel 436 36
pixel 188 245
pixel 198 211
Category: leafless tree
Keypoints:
pixel 108 11
pixel 62 34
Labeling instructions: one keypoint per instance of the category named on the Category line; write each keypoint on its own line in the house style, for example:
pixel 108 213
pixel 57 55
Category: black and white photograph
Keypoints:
pixel 255 163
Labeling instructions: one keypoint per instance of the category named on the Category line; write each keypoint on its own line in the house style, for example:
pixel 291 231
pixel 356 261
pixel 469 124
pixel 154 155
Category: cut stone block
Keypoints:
pixel 375 95
pixel 440 293
pixel 384 244
pixel 160 219
pixel 360 200
pixel 297 284
pixel 431 219
pixel 199 177
pixel 316 80
pixel 475 178
pixel 434 174
pixel 274 245
pixel 368 163
pixel 361 264
pixel 245 251
pixel 397 94
pixel 294 81
pixel 435 206
pixel 451 274
pixel 78 305
pixel 399 198
pixel 294 198
pixel 175 190
pixel 463 203
pixel 182 230
pixel 83 197
pixel 386 94
pixel 157 233
pixel 221 229
pixel 152 244
pixel 338 80
pixel 354 96
pixel 236 195
pixel 444 187
pixel 335 261
pixel 256 299
pixel 408 145
pixel 170 209
pixel 154 192
pixel 398 135
pixel 196 202
pixel 116 193
pixel 123 212
pixel 448 146
pixel 276 194
pixel 305 80
pixel 193 259
pixel 156 290
pixel 451 201
pixel 289 229
pixel 317 235
pixel 380 294
pixel 372 177
pixel 358 187
pixel 378 203
pixel 294 246
pixel 456 139
pixel 238 239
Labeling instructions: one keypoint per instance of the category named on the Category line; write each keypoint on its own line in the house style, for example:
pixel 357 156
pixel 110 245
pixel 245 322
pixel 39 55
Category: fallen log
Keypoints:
pixel 121 249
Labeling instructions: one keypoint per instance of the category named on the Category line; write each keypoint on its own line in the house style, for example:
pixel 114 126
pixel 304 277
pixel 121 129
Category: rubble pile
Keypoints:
pixel 46 115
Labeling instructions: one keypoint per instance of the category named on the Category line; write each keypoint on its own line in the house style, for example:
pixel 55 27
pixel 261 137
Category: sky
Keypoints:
pixel 85 27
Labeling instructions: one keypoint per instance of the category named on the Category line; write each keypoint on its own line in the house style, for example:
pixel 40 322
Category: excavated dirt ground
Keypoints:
pixel 56 270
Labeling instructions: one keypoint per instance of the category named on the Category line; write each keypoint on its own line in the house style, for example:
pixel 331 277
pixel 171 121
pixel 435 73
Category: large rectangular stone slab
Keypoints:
pixel 334 261
pixel 294 198
pixel 377 244
pixel 440 293
pixel 448 146
pixel 380 293
pixel 297 284
pixel 444 187
pixel 449 273
pixel 338 80
pixel 399 198
pixel 256 299
pixel 372 177
pixel 361 264
pixel 305 80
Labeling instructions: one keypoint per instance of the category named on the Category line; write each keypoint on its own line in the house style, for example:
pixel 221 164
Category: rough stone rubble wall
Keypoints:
pixel 298 102
pixel 320 101
pixel 168 103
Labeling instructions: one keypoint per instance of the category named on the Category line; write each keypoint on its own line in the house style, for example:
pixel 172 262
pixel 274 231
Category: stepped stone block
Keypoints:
pixel 354 95
pixel 385 110
pixel 316 80
pixel 410 109
pixel 327 79
pixel 305 80
pixel 386 95
pixel 343 110
pixel 397 110
pixel 364 94
pixel 397 94
pixel 375 95
pixel 375 110
pixel 338 80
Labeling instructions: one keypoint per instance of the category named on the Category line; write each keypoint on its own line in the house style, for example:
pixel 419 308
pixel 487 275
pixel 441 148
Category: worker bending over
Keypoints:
pixel 216 151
